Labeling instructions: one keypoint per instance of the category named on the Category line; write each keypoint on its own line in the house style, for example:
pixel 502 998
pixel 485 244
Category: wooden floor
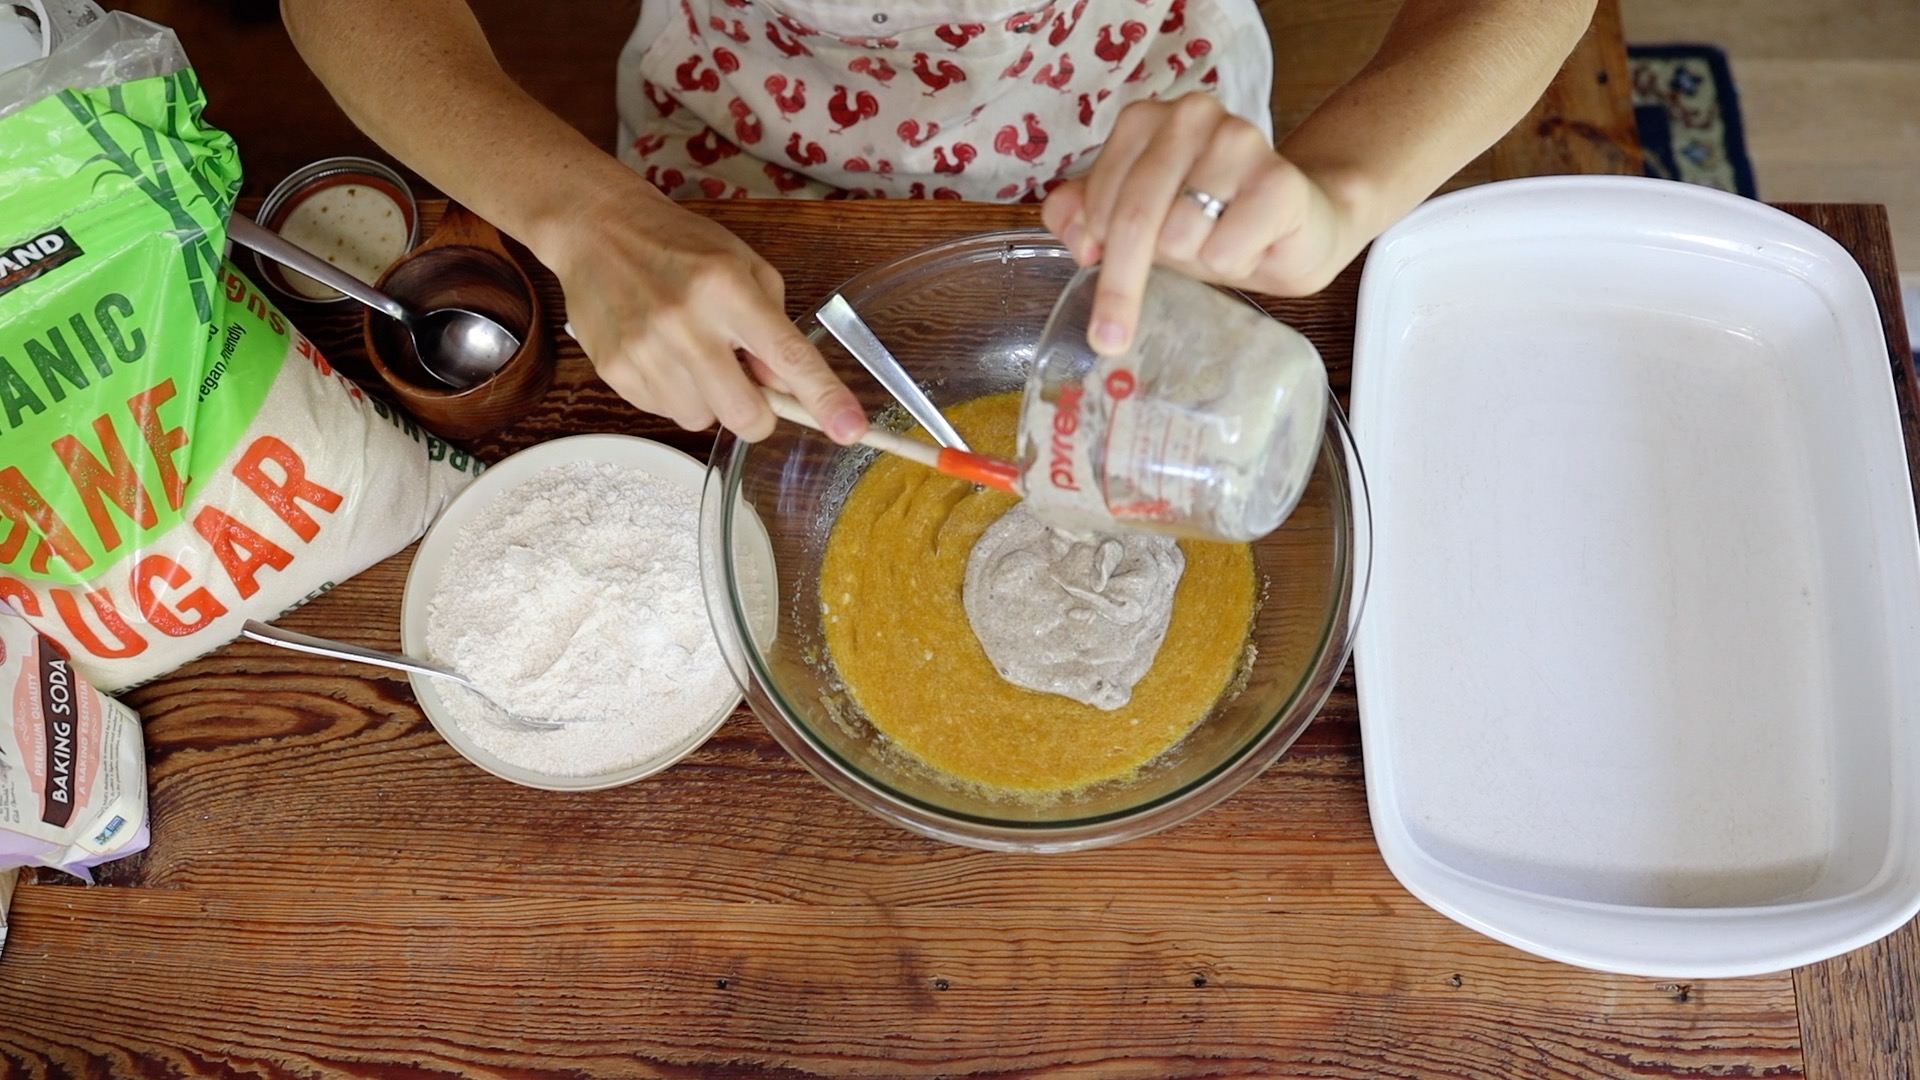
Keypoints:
pixel 1830 94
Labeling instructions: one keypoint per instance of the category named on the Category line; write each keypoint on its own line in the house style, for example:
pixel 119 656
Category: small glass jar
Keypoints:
pixel 354 212
pixel 1207 427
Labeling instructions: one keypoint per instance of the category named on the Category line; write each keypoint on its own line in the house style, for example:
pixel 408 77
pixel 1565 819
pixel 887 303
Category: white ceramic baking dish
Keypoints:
pixel 1641 669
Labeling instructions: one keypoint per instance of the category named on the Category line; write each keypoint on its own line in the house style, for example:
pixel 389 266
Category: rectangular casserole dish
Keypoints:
pixel 1639 677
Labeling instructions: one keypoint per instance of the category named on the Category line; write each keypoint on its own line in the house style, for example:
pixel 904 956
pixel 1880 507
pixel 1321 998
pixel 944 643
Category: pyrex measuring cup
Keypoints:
pixel 1208 426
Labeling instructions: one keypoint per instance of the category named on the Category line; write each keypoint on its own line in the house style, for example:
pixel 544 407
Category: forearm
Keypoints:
pixel 662 299
pixel 1451 77
pixel 421 80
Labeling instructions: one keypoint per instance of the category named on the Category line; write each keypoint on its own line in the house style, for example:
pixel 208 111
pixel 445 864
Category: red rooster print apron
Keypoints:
pixel 737 98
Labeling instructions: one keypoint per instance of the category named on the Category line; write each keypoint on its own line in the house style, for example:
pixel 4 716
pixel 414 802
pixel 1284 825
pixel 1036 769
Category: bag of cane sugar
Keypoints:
pixel 73 774
pixel 175 457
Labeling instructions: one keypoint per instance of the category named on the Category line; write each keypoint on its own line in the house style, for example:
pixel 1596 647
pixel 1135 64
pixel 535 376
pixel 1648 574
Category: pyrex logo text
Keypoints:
pixel 1066 422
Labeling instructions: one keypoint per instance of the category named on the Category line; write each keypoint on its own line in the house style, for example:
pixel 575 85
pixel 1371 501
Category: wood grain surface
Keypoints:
pixel 332 891
pixel 1858 1011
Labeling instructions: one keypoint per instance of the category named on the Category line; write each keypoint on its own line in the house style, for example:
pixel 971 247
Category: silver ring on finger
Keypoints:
pixel 1211 205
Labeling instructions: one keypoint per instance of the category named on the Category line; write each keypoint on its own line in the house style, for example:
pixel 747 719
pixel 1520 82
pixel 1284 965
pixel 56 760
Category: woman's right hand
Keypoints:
pixel 1284 232
pixel 667 303
pixel 663 300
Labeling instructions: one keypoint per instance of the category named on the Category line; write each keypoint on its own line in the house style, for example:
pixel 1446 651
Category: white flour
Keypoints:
pixel 576 596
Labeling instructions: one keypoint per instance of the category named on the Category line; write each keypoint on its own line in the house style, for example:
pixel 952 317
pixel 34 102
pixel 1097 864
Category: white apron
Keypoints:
pixel 736 98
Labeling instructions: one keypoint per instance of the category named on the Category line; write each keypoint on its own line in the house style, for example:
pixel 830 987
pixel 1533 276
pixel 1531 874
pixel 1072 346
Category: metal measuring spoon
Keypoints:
pixel 456 346
pixel 851 331
pixel 340 650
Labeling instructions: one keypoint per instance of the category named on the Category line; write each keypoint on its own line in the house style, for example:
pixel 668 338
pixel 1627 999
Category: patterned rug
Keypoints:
pixel 1688 114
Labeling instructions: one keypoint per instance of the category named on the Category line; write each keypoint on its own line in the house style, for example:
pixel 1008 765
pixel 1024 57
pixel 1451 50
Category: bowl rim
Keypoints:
pixel 531 355
pixel 314 176
pixel 1352 574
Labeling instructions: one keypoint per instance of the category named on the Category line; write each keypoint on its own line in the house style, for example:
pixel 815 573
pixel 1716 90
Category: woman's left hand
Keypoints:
pixel 1146 200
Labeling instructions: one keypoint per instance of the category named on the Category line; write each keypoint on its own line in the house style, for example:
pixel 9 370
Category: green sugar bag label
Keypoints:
pixel 175 457
pixel 124 194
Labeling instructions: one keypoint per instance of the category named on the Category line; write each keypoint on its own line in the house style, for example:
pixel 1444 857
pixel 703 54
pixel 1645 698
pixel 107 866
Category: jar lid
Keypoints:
pixel 305 182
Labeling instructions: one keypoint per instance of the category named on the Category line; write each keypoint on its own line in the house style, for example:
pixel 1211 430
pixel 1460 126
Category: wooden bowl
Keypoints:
pixel 465 263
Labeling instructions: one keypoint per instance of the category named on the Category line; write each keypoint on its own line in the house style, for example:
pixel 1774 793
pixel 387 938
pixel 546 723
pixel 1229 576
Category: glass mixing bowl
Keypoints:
pixel 963 317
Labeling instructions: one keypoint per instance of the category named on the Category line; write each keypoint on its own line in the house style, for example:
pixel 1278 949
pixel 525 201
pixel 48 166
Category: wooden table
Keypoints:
pixel 331 890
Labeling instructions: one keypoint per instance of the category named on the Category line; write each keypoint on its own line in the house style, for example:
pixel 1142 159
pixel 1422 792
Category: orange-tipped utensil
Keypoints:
pixel 993 472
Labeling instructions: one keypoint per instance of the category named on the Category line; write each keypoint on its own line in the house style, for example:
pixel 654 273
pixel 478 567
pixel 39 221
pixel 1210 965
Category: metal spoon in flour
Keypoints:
pixel 340 650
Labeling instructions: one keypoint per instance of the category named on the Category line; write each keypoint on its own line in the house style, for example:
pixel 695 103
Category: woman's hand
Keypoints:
pixel 1449 78
pixel 665 303
pixel 1280 232
pixel 663 300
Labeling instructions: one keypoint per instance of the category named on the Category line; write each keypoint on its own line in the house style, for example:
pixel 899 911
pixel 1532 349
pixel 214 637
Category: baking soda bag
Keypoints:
pixel 175 457
pixel 73 780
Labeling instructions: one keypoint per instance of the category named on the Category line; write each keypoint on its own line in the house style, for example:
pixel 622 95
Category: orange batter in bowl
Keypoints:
pixel 897 632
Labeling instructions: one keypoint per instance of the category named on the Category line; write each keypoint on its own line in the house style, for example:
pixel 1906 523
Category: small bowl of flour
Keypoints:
pixel 566 581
